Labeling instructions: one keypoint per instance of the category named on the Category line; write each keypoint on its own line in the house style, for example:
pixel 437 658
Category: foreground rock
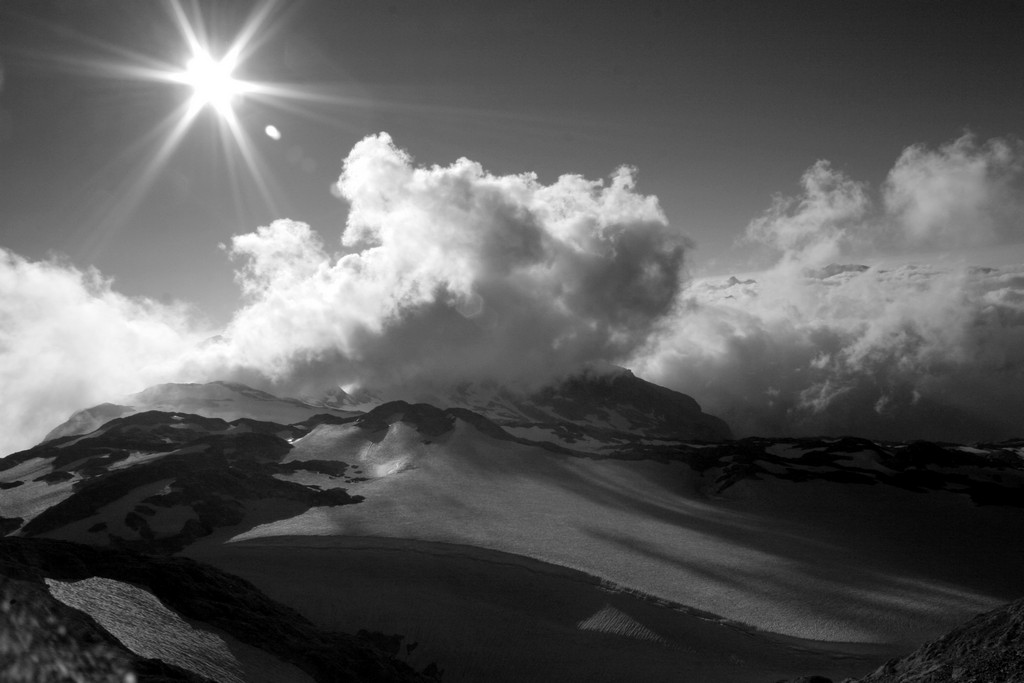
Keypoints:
pixel 988 648
pixel 42 639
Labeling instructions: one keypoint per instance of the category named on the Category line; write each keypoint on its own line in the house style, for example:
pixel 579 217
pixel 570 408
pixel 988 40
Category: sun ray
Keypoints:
pixel 170 132
pixel 235 178
pixel 212 90
pixel 255 165
pixel 252 36
pixel 185 26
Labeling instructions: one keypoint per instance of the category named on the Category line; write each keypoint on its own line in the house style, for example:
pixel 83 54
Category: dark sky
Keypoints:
pixel 718 104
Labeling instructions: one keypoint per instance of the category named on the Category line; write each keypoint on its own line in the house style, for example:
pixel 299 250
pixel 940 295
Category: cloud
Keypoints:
pixel 449 273
pixel 812 347
pixel 962 194
pixel 912 352
pixel 444 274
pixel 817 226
pixel 68 341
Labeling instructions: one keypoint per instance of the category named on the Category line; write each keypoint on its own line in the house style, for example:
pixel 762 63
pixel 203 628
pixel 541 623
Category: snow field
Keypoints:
pixel 830 562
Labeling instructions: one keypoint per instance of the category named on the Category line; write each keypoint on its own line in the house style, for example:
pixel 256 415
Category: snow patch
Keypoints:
pixel 394 453
pixel 32 497
pixel 865 460
pixel 329 442
pixel 611 620
pixel 787 450
pixel 150 629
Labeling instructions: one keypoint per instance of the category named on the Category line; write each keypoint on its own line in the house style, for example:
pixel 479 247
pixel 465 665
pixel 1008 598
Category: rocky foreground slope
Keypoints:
pixel 987 649
pixel 73 612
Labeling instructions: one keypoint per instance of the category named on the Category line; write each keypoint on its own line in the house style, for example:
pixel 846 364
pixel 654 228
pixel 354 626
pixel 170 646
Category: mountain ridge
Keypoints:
pixel 606 399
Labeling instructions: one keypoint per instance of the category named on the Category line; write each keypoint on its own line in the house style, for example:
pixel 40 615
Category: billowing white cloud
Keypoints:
pixel 68 341
pixel 444 274
pixel 816 227
pixel 452 273
pixel 962 194
pixel 812 347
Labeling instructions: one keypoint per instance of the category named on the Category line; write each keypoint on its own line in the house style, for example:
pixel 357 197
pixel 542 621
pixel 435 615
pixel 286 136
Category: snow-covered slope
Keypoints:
pixel 831 539
pixel 814 548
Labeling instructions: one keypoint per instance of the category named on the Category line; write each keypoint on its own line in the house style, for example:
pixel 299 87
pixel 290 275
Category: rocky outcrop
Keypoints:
pixel 988 648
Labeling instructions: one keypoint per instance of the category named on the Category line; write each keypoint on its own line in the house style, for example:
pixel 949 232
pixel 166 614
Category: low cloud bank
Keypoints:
pixel 449 273
pixel 68 341
pixel 812 347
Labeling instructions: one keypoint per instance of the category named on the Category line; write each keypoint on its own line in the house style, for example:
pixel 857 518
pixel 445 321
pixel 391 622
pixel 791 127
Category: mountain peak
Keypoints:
pixel 618 398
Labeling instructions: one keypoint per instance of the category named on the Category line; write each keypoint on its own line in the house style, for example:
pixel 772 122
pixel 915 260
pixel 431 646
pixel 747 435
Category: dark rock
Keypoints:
pixel 989 647
pixel 55 477
pixel 9 525
pixel 201 593
pixel 428 420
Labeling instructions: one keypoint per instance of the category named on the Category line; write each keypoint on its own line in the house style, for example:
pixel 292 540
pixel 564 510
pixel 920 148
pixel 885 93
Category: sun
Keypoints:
pixel 207 73
pixel 212 82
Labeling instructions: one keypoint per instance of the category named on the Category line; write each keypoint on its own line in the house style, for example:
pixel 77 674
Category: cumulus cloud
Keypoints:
pixel 817 226
pixel 443 274
pixel 814 347
pixel 450 273
pixel 961 194
pixel 68 341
